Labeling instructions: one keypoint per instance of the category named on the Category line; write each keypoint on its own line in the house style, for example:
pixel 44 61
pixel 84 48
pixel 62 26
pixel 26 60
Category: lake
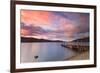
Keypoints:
pixel 44 52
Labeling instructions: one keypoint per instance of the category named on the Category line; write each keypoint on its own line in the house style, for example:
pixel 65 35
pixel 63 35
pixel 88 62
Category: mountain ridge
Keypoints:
pixel 31 39
pixel 85 39
pixel 25 39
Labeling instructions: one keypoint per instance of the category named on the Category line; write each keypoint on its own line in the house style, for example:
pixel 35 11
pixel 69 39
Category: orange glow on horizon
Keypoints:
pixel 24 32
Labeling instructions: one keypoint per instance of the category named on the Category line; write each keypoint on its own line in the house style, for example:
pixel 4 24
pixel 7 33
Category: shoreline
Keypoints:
pixel 80 56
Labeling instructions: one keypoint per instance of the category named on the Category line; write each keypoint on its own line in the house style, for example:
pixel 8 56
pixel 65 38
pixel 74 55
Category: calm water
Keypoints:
pixel 49 51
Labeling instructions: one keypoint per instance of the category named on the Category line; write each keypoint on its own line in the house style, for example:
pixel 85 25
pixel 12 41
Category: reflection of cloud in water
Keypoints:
pixel 28 51
pixel 49 51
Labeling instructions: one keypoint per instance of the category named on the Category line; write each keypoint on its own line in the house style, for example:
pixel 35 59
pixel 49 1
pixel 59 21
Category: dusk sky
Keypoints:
pixel 52 25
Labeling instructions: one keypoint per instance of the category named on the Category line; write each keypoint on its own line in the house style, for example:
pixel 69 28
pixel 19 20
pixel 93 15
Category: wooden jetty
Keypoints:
pixel 77 46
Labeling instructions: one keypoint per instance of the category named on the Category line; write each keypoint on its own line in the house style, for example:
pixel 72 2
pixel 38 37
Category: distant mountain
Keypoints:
pixel 85 39
pixel 25 39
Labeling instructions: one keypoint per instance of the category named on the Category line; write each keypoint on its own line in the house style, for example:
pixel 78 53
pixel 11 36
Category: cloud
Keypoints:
pixel 31 30
pixel 35 17
pixel 79 20
pixel 54 25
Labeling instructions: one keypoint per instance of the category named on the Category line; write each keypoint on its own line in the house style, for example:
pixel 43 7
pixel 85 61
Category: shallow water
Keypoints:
pixel 45 51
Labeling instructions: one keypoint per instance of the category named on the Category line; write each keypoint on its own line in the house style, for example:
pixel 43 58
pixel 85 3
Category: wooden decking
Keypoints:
pixel 77 47
pixel 81 50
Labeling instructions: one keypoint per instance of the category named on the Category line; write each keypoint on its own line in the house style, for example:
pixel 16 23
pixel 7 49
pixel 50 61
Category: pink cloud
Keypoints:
pixel 37 18
pixel 25 32
pixel 52 25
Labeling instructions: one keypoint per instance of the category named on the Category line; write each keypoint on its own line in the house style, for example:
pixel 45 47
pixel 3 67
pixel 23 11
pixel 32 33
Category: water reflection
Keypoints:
pixel 43 52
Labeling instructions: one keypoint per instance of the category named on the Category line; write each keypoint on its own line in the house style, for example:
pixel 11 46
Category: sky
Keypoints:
pixel 54 25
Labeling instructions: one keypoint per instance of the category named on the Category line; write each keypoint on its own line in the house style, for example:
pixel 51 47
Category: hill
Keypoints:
pixel 25 39
pixel 85 39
